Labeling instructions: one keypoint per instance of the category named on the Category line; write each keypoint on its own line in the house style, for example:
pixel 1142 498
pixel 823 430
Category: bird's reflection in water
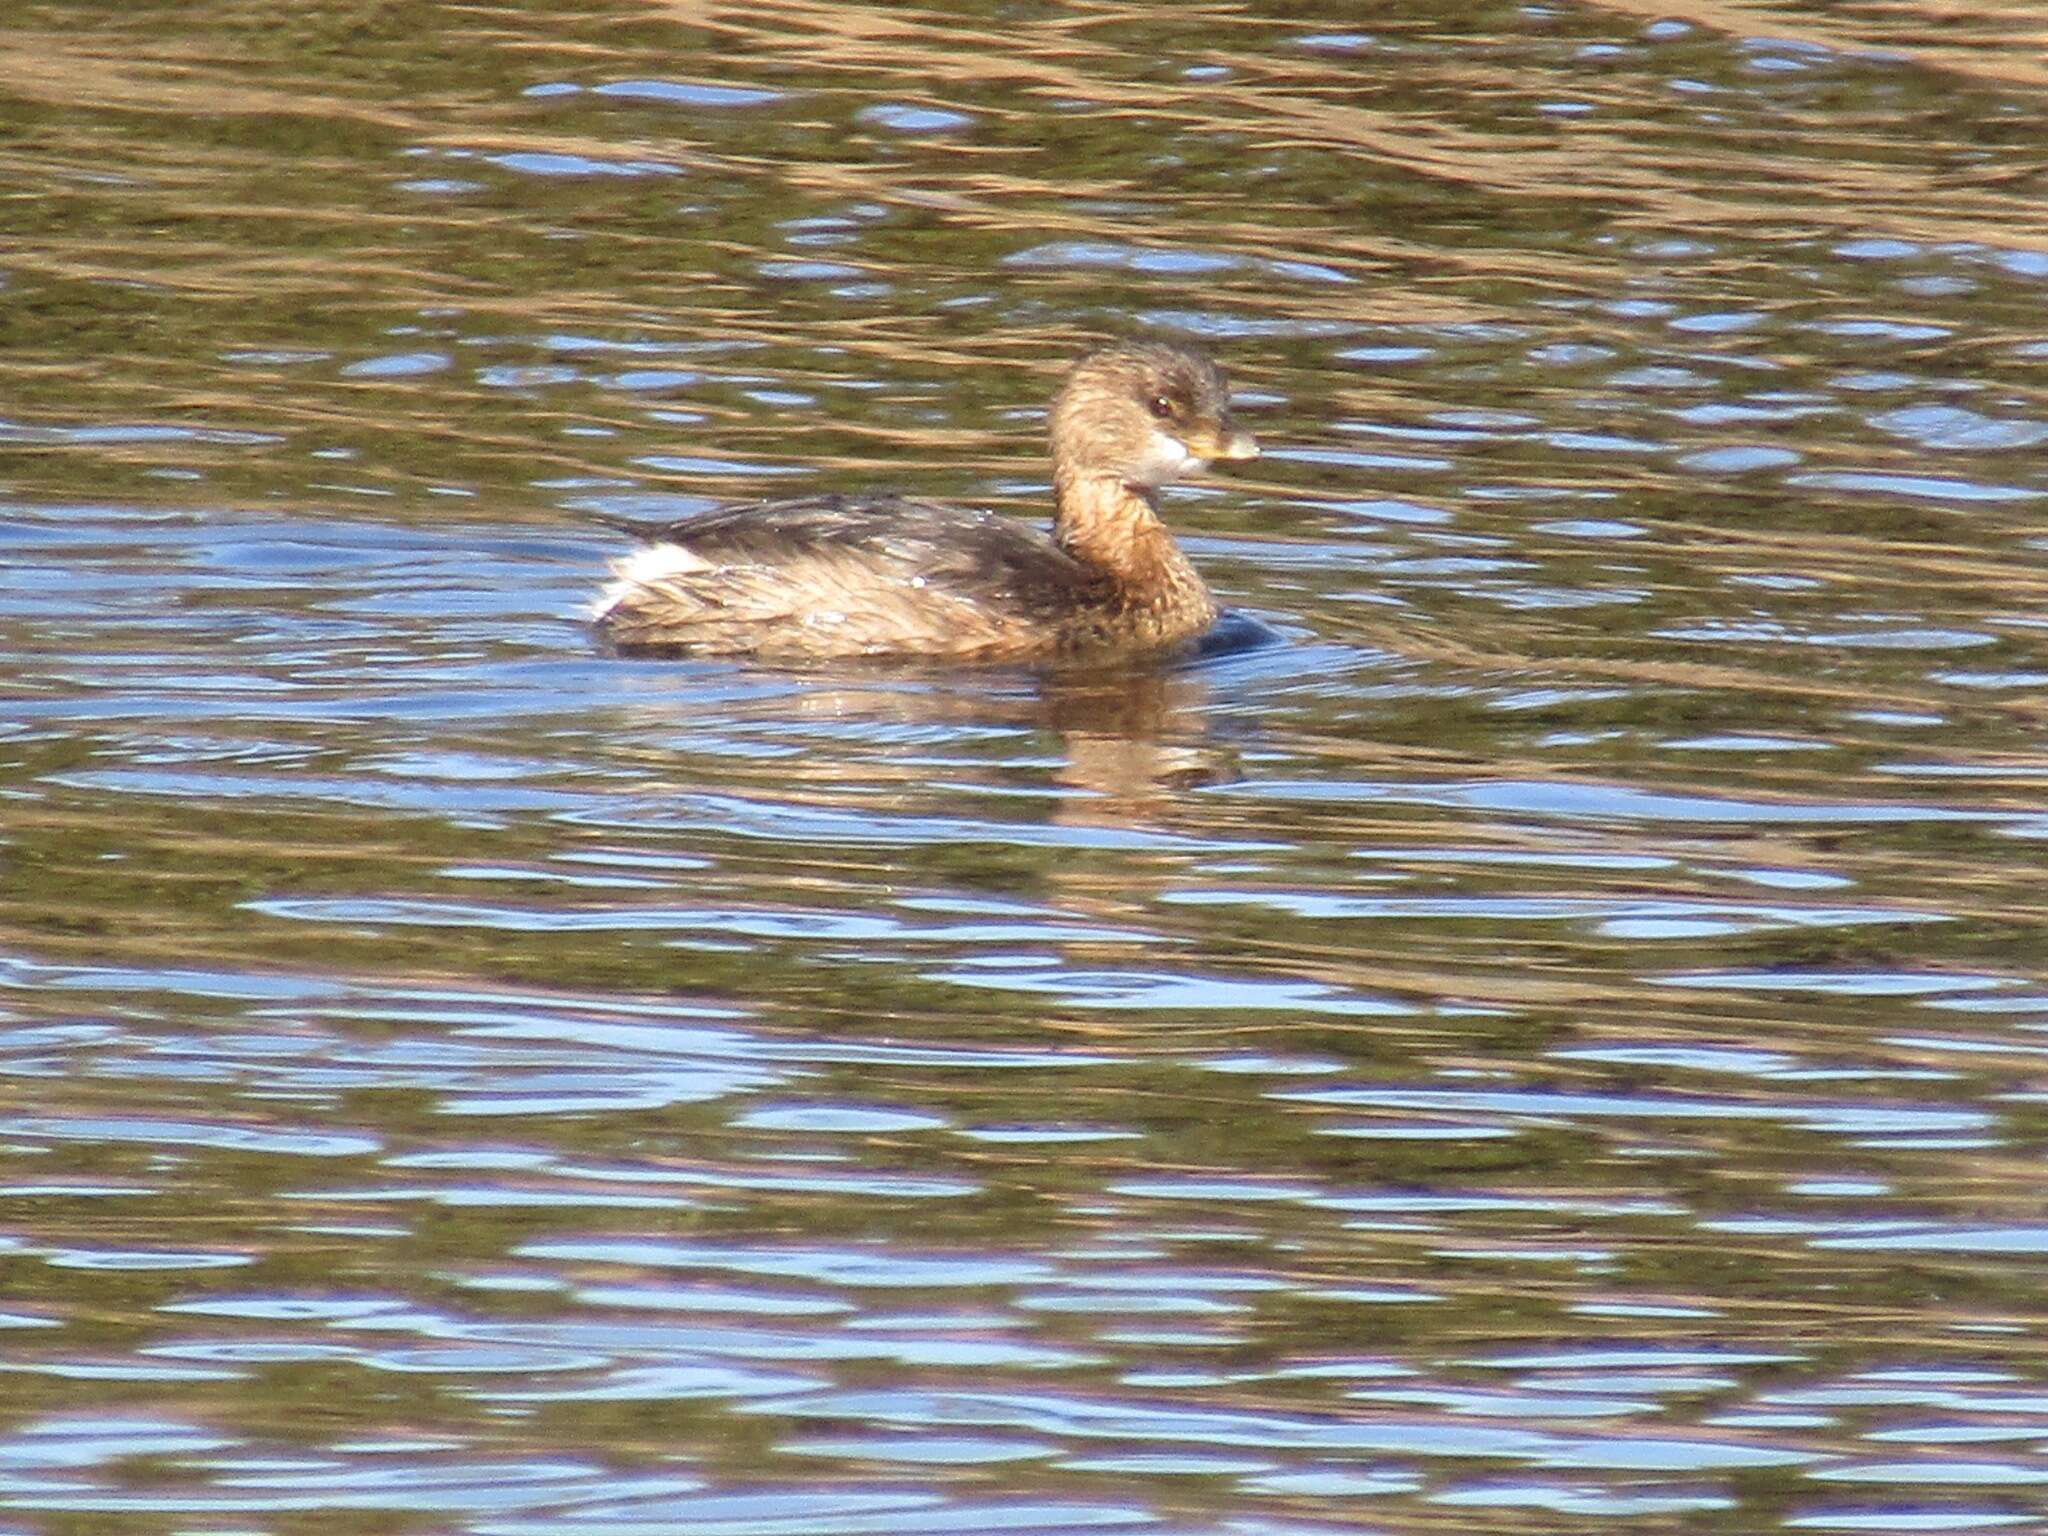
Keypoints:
pixel 1127 738
pixel 881 782
pixel 1131 739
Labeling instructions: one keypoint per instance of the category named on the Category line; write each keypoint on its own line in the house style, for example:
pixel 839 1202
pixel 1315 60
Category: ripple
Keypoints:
pixel 1902 1238
pixel 921 1450
pixel 1621 802
pixel 1141 990
pixel 903 117
pixel 1081 255
pixel 235 1138
pixel 836 1266
pixel 398 365
pixel 1948 426
pixel 1840 1118
pixel 573 167
pixel 142 1258
pixel 847 1119
pixel 687 93
pixel 1920 487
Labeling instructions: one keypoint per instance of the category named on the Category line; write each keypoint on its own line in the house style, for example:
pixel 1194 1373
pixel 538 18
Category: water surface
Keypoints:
pixel 1557 1041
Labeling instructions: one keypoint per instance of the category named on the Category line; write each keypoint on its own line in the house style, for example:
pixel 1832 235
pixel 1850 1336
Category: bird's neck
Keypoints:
pixel 1109 524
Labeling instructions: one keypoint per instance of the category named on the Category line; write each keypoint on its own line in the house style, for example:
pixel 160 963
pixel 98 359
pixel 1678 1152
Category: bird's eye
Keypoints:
pixel 1161 406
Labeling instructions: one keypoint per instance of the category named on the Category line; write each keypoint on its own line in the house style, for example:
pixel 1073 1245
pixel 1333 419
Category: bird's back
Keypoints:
pixel 853 576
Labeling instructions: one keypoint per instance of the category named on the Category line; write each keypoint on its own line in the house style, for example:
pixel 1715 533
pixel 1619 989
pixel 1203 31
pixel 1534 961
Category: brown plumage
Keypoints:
pixel 829 576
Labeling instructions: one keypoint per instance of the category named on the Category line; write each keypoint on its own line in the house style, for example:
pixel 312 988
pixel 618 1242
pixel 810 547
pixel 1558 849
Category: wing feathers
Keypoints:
pixel 829 575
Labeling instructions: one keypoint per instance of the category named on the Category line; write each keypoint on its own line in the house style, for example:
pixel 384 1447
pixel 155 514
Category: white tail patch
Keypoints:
pixel 648 566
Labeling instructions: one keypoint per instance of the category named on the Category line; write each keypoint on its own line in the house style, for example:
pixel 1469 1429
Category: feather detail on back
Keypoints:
pixel 846 576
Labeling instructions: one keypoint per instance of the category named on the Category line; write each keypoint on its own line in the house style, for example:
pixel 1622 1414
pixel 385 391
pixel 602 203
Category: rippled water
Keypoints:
pixel 1558 1041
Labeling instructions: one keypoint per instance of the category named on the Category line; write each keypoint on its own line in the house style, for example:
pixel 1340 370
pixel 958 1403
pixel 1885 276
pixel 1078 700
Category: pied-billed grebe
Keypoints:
pixel 830 576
